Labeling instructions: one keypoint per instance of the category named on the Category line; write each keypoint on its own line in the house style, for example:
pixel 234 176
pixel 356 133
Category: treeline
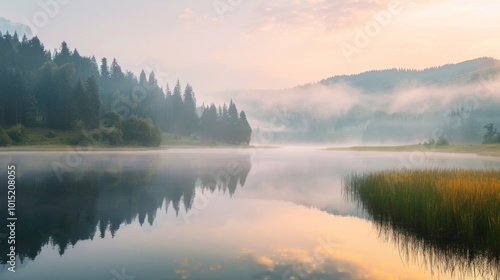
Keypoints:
pixel 491 136
pixel 225 124
pixel 64 90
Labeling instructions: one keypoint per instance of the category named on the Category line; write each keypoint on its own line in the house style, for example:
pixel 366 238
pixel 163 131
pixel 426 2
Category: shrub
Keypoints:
pixel 430 142
pixel 112 119
pixel 79 135
pixel 113 135
pixel 50 134
pixel 4 138
pixel 139 131
pixel 17 133
pixel 442 141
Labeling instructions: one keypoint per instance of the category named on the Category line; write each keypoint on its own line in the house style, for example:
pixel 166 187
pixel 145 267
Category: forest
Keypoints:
pixel 65 91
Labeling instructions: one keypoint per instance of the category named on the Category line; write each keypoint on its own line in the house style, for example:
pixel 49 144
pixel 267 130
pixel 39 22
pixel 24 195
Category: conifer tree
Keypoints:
pixel 189 117
pixel 178 109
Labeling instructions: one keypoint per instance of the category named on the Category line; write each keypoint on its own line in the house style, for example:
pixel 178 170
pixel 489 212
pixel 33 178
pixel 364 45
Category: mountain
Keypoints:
pixel 387 80
pixel 393 106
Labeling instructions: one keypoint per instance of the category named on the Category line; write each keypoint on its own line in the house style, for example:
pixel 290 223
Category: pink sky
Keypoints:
pixel 258 44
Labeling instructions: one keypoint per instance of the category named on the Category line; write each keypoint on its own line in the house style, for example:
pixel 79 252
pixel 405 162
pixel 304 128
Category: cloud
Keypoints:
pixel 189 18
pixel 293 263
pixel 284 16
pixel 187 14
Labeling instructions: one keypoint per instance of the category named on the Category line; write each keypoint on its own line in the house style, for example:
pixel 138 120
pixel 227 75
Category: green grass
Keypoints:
pixel 172 140
pixel 479 149
pixel 45 138
pixel 446 212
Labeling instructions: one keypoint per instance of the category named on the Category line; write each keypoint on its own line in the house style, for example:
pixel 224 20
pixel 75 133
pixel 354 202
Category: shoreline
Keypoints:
pixel 65 148
pixel 491 150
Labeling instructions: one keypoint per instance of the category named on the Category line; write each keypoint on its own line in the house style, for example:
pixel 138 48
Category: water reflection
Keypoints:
pixel 108 192
pixel 186 215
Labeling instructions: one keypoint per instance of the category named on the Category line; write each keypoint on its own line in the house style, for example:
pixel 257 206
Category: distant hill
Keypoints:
pixel 386 80
pixel 11 27
pixel 393 106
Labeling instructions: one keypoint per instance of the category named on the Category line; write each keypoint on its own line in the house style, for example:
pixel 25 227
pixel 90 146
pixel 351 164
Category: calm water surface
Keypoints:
pixel 205 214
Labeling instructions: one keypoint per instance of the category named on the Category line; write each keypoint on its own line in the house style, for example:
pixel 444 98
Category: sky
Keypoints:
pixel 219 45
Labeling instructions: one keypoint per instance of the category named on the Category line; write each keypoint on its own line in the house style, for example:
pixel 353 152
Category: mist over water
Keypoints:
pixel 163 206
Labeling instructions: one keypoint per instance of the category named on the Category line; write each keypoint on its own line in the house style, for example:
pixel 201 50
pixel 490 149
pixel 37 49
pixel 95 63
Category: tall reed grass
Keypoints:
pixel 455 211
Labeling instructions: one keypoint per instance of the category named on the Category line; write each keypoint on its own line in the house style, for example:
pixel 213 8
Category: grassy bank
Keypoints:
pixel 44 138
pixel 454 209
pixel 479 149
pixel 173 140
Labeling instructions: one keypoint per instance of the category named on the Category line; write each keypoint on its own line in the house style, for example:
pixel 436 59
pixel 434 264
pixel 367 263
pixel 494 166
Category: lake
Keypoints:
pixel 207 214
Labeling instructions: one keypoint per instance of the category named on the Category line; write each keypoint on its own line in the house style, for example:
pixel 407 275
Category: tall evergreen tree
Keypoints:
pixel 105 82
pixel 190 118
pixel 104 69
pixel 167 110
pixel 232 123
pixel 63 113
pixel 92 91
pixel 142 78
pixel 208 123
pixel 245 131
pixel 178 109
pixel 63 56
pixel 83 107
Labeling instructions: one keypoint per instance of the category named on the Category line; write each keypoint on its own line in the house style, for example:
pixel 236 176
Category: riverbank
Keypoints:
pixel 492 150
pixel 43 139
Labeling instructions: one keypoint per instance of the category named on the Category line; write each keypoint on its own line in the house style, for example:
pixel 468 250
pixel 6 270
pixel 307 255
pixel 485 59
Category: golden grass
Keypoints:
pixel 456 211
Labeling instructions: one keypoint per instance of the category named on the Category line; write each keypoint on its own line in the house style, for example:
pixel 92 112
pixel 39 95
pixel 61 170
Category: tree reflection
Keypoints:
pixel 102 195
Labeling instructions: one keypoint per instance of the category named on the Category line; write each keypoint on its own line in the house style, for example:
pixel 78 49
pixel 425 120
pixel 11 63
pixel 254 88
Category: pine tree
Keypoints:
pixel 245 131
pixel 190 119
pixel 92 91
pixel 63 56
pixel 142 78
pixel 116 75
pixel 167 111
pixel 64 111
pixel 178 109
pixel 104 69
pixel 105 84
pixel 83 108
pixel 222 127
pixel 232 123
pixel 208 123
pixel 155 100
pixel 152 82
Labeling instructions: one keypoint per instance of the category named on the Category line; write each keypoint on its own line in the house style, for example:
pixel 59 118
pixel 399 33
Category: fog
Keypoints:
pixel 342 114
